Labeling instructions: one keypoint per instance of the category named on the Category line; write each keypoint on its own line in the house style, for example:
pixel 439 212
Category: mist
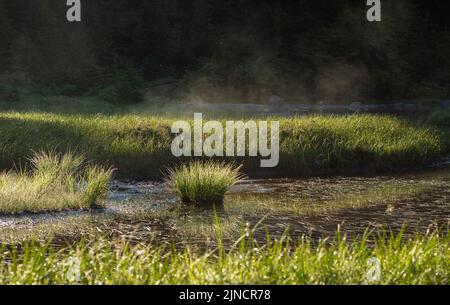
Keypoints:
pixel 226 51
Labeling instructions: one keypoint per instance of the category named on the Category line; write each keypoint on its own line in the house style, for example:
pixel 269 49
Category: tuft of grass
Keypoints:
pixel 203 182
pixel 95 185
pixel 421 259
pixel 54 182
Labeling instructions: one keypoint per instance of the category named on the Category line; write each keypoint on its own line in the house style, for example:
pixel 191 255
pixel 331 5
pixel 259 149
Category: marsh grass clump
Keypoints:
pixel 54 182
pixel 204 182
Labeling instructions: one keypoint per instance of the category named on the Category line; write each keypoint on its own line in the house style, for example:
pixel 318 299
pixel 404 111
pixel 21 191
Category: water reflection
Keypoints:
pixel 149 211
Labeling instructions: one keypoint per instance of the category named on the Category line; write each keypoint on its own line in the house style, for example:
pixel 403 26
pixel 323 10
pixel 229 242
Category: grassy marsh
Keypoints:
pixel 55 182
pixel 298 204
pixel 139 145
pixel 417 260
pixel 184 246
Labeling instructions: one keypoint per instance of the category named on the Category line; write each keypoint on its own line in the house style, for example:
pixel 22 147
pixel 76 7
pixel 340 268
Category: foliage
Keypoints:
pixel 203 183
pixel 140 146
pixel 122 88
pixel 421 259
pixel 297 50
pixel 440 118
pixel 55 182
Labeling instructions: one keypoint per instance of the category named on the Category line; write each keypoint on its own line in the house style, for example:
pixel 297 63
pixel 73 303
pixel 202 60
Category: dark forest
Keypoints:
pixel 225 50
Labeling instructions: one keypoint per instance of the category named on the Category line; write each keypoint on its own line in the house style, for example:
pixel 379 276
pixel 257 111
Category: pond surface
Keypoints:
pixel 149 211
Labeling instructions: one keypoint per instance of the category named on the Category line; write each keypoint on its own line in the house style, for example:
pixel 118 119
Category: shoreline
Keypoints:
pixel 140 146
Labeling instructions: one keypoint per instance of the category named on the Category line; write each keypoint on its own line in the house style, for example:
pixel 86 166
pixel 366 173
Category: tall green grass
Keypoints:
pixel 203 183
pixel 54 182
pixel 422 259
pixel 140 146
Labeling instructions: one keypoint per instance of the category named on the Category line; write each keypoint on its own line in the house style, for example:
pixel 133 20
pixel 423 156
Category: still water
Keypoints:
pixel 317 207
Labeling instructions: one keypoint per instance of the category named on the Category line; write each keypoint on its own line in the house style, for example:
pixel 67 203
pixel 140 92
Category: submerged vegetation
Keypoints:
pixel 203 183
pixel 54 182
pixel 139 146
pixel 417 260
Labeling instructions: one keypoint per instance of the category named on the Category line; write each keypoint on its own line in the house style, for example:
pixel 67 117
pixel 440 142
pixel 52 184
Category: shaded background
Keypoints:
pixel 226 51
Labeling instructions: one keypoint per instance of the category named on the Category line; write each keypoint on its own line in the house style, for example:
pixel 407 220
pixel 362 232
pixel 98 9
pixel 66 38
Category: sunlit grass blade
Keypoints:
pixel 204 182
pixel 54 182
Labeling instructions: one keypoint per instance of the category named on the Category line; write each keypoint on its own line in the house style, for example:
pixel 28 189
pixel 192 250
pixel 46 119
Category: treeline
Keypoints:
pixel 230 49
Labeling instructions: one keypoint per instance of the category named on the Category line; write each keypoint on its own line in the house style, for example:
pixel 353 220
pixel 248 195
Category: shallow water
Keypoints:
pixel 149 212
pixel 428 210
